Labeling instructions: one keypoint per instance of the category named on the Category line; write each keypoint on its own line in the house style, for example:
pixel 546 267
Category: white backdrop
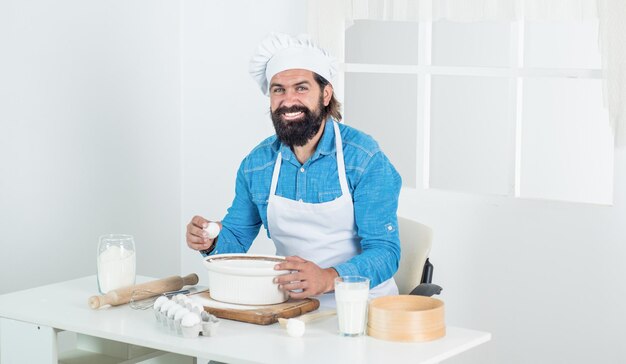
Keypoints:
pixel 545 278
pixel 89 136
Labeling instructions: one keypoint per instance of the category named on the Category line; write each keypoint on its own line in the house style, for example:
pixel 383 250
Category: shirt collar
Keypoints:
pixel 327 141
pixel 325 146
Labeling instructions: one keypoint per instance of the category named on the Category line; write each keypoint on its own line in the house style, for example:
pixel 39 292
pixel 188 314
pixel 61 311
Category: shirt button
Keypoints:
pixel 302 169
pixel 389 227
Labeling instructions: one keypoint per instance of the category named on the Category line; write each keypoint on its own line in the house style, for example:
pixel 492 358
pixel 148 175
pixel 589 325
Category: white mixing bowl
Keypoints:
pixel 245 279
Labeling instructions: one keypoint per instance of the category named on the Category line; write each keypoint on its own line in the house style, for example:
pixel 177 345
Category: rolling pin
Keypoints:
pixel 122 295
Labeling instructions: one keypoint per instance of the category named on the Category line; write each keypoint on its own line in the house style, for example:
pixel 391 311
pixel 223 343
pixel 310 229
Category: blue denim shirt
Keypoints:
pixel 373 182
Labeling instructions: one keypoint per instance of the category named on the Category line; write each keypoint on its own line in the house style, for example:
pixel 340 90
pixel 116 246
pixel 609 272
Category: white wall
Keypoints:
pixel 225 113
pixel 91 123
pixel 89 136
pixel 545 278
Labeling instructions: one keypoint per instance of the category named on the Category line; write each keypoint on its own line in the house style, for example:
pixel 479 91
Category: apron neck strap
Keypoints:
pixel 341 167
pixel 277 165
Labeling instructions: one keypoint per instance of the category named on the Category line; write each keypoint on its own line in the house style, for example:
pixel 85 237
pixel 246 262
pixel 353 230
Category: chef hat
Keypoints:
pixel 280 52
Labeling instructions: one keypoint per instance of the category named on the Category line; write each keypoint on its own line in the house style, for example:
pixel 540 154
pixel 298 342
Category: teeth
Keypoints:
pixel 292 114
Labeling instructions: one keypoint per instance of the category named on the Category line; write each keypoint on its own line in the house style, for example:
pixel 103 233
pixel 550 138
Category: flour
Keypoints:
pixel 116 268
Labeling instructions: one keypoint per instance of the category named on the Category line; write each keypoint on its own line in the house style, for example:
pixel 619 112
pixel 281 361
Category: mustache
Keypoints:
pixel 293 108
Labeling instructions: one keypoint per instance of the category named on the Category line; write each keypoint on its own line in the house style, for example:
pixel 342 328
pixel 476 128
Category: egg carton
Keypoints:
pixel 182 316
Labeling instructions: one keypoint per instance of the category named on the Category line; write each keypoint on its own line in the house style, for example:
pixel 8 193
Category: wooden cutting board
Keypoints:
pixel 260 315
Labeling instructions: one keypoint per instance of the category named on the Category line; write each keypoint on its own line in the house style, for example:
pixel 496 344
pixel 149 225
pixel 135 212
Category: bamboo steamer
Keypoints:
pixel 406 318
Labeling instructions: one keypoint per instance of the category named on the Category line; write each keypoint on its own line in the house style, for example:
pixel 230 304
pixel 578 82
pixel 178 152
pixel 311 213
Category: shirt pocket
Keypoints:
pixel 328 196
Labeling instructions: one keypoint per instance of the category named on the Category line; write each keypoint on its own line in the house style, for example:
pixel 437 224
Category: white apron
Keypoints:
pixel 324 233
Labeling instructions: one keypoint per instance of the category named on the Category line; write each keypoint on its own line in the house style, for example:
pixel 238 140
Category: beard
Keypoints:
pixel 298 132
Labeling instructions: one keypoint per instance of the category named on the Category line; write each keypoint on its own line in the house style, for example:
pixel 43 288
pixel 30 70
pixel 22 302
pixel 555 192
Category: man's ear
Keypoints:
pixel 328 94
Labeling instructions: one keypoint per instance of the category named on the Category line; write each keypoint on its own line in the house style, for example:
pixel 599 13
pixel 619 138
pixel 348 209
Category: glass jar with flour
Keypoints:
pixel 116 262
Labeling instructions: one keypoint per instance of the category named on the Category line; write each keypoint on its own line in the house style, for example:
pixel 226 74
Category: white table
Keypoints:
pixel 30 320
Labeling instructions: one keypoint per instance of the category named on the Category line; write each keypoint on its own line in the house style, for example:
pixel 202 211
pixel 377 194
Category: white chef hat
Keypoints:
pixel 279 52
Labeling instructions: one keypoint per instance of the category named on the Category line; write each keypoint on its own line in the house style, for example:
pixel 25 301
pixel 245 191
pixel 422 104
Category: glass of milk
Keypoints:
pixel 351 294
pixel 116 262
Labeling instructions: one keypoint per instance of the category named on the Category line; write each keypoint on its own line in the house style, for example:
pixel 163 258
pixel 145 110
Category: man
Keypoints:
pixel 324 191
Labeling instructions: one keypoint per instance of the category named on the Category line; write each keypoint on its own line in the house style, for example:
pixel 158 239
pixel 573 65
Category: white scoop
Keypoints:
pixel 297 325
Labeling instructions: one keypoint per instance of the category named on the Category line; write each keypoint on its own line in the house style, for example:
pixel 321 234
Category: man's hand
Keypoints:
pixel 307 276
pixel 197 237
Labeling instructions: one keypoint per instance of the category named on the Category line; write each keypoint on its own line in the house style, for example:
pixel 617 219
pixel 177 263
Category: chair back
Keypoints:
pixel 415 240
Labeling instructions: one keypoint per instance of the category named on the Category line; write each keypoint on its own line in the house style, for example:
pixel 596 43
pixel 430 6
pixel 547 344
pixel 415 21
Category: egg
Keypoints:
pixel 159 302
pixel 166 305
pixel 180 314
pixel 196 307
pixel 190 319
pixel 172 310
pixel 179 298
pixel 213 229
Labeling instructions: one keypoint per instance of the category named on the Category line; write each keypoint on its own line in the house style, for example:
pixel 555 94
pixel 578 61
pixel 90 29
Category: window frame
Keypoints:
pixel 516 72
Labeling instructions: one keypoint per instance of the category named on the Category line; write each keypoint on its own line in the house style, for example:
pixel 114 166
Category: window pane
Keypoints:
pixel 380 42
pixel 471 135
pixel 384 106
pixel 479 44
pixel 567 144
pixel 562 44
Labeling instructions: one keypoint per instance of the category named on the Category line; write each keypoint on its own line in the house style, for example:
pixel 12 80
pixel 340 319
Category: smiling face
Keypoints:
pixel 296 104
